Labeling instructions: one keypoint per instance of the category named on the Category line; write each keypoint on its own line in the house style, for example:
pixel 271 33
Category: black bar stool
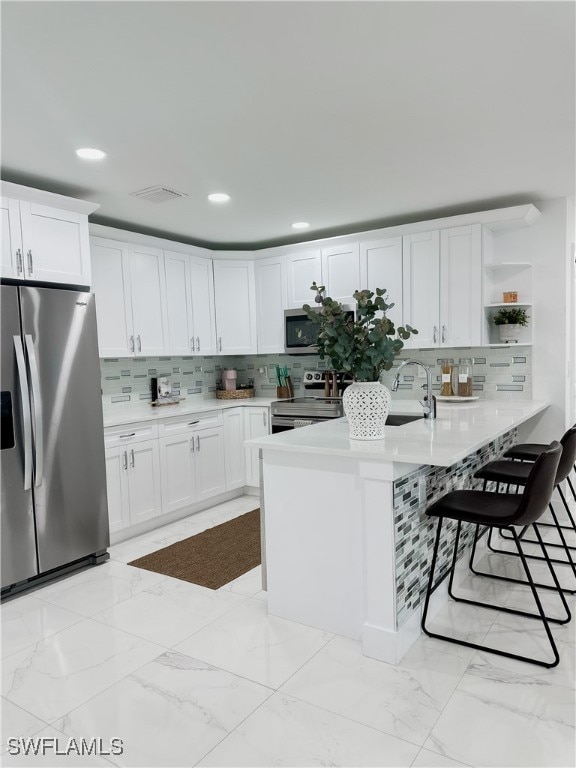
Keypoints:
pixel 502 511
pixel 530 452
pixel 516 474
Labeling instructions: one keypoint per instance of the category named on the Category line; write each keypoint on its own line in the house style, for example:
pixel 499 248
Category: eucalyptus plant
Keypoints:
pixel 364 345
pixel 511 316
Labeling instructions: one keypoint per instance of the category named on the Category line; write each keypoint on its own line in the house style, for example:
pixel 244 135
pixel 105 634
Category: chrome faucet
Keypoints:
pixel 429 402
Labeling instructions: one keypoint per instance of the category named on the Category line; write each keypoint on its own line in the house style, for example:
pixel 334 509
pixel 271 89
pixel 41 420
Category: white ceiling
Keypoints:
pixel 342 114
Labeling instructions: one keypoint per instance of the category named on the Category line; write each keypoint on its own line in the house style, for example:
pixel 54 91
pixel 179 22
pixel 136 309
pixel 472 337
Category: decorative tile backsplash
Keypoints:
pixel 128 379
pixel 499 373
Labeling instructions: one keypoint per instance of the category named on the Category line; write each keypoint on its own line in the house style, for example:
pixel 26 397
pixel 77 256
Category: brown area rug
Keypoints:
pixel 211 558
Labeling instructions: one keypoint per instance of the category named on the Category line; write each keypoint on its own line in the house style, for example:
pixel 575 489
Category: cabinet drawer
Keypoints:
pixel 190 423
pixel 129 433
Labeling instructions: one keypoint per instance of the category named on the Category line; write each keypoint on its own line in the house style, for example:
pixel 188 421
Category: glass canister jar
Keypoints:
pixel 465 376
pixel 446 369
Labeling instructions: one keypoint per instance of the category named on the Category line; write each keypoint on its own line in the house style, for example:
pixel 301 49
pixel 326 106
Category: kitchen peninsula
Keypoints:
pixel 348 545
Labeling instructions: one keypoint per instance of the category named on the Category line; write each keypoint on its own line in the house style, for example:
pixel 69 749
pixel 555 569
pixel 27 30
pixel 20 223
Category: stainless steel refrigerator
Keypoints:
pixel 53 476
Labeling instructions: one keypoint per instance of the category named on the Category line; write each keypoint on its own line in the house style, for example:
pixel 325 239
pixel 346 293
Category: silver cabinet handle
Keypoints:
pixel 132 457
pixel 192 445
pixel 130 435
pixel 131 343
pixel 197 343
pixel 125 460
pixel 220 343
pixel 435 337
pixel 190 423
pixel 443 333
pixel 37 401
pixel 198 443
pixel 26 418
pixel 139 340
pixel 264 418
pixel 192 345
pixel 30 263
pixel 19 262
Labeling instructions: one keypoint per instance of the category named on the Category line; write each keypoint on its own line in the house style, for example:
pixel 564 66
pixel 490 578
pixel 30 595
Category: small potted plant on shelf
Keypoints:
pixel 361 345
pixel 510 321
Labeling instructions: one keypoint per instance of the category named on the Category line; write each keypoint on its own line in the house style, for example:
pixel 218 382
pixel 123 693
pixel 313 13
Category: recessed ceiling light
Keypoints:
pixel 90 153
pixel 300 225
pixel 218 197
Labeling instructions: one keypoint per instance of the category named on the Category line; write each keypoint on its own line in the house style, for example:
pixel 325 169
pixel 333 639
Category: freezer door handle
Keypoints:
pixel 26 419
pixel 37 400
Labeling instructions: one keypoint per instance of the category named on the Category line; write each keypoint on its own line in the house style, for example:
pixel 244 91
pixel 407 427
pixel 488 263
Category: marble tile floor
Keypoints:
pixel 188 676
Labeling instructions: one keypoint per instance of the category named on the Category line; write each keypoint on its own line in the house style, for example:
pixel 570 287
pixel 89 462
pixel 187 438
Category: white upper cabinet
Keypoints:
pixel 235 303
pixel 443 287
pixel 303 269
pixel 180 329
pixel 421 279
pixel 341 272
pixel 148 300
pixel 55 244
pixel 202 296
pixel 381 267
pixel 11 257
pixel 41 242
pixel 270 302
pixel 111 286
pixel 461 286
pixel 130 295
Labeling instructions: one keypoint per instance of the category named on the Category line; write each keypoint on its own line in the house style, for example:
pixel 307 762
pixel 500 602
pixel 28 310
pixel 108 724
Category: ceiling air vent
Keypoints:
pixel 157 194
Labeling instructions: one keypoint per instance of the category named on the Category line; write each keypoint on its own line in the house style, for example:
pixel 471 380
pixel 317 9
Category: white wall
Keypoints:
pixel 552 364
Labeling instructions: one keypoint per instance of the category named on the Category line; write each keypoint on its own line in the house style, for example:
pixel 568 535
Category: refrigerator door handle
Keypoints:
pixel 27 421
pixel 37 399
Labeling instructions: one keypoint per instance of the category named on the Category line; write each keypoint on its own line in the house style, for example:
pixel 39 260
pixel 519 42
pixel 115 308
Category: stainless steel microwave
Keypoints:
pixel 300 333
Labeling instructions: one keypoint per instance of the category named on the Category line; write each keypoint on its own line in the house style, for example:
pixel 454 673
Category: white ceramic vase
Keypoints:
pixel 366 405
pixel 509 333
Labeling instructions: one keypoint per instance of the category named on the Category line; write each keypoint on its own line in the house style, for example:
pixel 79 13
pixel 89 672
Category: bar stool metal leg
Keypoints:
pixel 547 559
pixel 540 615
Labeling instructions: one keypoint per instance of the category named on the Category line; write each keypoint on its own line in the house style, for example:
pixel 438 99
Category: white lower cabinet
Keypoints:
pixel 144 481
pixel 234 459
pixel 117 489
pixel 191 465
pixel 133 483
pixel 256 424
pixel 209 463
pixel 177 471
pixel 153 470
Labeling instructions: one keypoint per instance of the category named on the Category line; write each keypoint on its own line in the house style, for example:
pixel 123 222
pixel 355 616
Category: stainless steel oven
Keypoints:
pixel 303 411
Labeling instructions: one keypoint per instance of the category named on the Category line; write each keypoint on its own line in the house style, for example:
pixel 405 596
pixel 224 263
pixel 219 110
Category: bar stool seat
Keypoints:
pixel 525 451
pixel 503 471
pixel 501 511
pixel 530 452
pixel 480 507
pixel 517 473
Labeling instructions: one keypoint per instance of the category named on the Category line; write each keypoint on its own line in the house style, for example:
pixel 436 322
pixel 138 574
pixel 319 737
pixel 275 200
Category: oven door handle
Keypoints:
pixel 291 422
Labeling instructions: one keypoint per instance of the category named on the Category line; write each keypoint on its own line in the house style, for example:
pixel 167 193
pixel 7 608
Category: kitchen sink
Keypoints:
pixel 398 419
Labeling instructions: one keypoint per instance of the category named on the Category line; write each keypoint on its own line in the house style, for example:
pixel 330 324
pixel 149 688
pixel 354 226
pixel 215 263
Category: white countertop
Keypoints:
pixel 459 430
pixel 117 414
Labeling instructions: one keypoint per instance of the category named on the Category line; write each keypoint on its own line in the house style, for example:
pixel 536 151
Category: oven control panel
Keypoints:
pixel 313 377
